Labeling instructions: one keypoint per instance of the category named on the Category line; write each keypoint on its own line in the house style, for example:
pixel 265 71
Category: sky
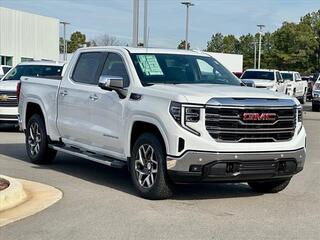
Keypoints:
pixel 166 18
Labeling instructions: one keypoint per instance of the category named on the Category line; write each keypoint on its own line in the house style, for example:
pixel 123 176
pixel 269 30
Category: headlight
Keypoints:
pixel 184 114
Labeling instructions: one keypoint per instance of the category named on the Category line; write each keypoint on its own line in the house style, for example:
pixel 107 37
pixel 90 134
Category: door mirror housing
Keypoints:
pixel 115 83
pixel 111 83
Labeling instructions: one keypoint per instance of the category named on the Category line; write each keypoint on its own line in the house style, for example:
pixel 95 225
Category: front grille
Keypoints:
pixel 226 124
pixel 8 99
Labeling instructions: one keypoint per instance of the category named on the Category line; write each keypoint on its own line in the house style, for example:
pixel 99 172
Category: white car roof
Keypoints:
pixel 41 63
pixel 261 70
pixel 5 66
pixel 150 50
pixel 292 72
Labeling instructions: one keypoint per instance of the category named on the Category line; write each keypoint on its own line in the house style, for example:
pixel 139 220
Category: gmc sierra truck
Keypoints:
pixel 296 87
pixel 170 116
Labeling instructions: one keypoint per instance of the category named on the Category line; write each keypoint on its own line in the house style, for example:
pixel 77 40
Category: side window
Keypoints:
pixel 87 67
pixel 279 77
pixel 298 77
pixel 114 66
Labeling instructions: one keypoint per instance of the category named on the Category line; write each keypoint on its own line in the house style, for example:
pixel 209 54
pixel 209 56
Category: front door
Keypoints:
pixel 107 128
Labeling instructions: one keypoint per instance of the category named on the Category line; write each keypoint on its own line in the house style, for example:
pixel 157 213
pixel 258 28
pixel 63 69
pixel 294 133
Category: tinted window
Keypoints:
pixel 33 71
pixel 180 69
pixel 263 75
pixel 87 68
pixel 6 69
pixel 115 67
pixel 287 76
pixel 279 77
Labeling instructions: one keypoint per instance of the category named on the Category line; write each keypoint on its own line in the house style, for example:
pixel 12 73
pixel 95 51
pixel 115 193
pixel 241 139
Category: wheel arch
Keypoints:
pixel 142 126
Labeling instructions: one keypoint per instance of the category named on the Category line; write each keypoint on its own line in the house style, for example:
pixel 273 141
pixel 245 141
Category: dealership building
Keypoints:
pixel 26 37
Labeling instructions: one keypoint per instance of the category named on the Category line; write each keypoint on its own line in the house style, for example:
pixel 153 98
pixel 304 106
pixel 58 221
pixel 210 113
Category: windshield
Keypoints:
pixel 287 76
pixel 181 69
pixel 260 75
pixel 33 71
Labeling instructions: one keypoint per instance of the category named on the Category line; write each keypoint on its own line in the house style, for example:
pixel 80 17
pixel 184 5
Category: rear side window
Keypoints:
pixel 34 71
pixel 88 67
pixel 115 67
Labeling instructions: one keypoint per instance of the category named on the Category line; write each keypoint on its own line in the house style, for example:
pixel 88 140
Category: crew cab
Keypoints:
pixel 170 116
pixel 296 87
pixel 265 78
pixel 8 85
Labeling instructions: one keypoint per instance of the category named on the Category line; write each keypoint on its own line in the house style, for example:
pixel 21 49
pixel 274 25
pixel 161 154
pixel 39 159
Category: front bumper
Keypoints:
pixel 194 166
pixel 8 115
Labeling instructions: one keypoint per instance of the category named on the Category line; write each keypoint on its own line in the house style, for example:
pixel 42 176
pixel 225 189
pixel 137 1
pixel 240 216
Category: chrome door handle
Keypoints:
pixel 63 93
pixel 93 97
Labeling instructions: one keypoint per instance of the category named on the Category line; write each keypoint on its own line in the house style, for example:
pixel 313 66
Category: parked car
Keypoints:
pixel 311 82
pixel 170 116
pixel 4 69
pixel 316 96
pixel 264 78
pixel 296 87
pixel 8 85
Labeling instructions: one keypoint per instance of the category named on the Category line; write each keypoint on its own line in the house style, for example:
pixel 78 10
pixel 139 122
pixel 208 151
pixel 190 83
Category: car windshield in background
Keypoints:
pixel 287 76
pixel 181 69
pixel 33 71
pixel 262 75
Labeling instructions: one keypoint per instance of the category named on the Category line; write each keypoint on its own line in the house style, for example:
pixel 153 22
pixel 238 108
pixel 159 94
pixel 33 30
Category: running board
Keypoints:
pixel 90 156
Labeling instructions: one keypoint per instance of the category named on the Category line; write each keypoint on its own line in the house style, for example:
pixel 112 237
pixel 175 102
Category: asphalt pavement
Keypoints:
pixel 100 203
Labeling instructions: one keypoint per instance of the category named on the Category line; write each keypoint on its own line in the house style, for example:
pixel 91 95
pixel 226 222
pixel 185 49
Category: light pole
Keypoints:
pixel 65 47
pixel 145 29
pixel 260 26
pixel 187 4
pixel 255 54
pixel 135 29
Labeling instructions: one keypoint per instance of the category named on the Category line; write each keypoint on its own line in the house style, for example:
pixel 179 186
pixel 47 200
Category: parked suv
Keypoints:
pixel 296 87
pixel 264 78
pixel 170 116
pixel 8 85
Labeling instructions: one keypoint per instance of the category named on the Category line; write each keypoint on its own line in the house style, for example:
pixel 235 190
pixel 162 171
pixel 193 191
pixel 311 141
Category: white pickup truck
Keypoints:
pixel 296 87
pixel 170 116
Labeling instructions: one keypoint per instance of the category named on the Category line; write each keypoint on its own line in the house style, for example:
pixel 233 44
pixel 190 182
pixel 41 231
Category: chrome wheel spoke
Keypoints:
pixel 146 166
pixel 34 139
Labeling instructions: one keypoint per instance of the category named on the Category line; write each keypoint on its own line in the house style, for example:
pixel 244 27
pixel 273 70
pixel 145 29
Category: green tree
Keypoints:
pixel 216 43
pixel 77 40
pixel 246 48
pixel 182 45
pixel 230 44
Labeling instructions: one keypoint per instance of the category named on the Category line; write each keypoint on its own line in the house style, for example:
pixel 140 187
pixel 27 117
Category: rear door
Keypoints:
pixel 74 119
pixel 299 85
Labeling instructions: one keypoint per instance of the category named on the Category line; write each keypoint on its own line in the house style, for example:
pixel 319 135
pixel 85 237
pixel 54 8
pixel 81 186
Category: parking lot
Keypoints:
pixel 100 202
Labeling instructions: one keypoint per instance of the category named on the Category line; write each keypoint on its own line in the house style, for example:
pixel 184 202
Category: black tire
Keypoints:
pixel 270 186
pixel 44 154
pixel 315 108
pixel 161 188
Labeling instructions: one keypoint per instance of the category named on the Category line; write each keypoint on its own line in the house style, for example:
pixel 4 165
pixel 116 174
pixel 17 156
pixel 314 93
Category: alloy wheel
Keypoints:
pixel 146 167
pixel 34 139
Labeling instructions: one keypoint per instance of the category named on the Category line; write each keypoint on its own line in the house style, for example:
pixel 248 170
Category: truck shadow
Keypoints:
pixel 119 179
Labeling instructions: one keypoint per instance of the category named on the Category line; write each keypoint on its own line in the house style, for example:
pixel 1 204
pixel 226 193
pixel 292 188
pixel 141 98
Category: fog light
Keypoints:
pixel 195 168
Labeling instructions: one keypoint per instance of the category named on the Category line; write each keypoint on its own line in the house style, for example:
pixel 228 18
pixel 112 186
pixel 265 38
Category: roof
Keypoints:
pixel 151 50
pixel 41 63
pixel 288 72
pixel 262 70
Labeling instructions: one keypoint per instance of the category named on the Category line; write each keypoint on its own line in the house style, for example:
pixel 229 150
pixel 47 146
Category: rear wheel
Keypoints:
pixel 148 167
pixel 37 141
pixel 270 186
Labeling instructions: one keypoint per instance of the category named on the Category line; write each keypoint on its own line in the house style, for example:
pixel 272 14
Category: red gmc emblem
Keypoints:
pixel 259 116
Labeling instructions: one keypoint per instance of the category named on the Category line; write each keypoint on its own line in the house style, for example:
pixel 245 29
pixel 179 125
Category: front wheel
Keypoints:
pixel 148 167
pixel 270 186
pixel 37 141
pixel 315 108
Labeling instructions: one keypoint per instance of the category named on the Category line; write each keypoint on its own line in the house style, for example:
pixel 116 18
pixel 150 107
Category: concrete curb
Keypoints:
pixel 13 195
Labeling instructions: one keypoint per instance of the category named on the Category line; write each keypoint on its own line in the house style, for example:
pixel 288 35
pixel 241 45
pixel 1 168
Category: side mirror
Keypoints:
pixel 111 83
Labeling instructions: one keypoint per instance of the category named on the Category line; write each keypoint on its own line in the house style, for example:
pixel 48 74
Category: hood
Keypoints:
pixel 10 85
pixel 202 93
pixel 261 82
